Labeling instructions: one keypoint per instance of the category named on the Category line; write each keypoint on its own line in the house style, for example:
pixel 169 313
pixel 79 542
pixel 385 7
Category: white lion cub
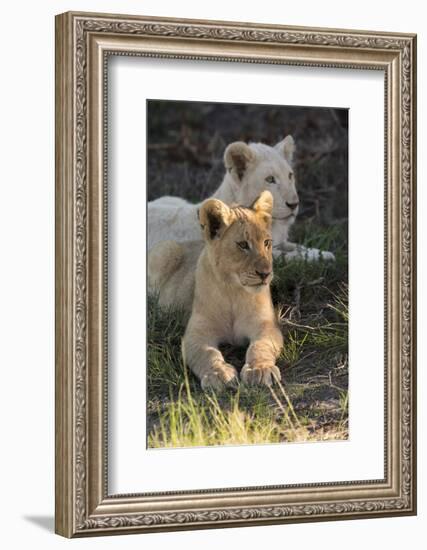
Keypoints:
pixel 250 169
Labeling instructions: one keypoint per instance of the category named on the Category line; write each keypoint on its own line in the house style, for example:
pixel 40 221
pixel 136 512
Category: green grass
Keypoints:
pixel 311 403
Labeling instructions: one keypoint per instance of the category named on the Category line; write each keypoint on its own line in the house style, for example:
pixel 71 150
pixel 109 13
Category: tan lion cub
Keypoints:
pixel 232 300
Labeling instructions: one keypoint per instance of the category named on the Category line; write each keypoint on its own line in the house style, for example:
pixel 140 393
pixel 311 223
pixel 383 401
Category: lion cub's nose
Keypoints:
pixel 263 274
pixel 292 205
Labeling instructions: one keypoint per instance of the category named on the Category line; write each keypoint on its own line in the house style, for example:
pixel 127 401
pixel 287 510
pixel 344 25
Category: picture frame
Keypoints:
pixel 84 41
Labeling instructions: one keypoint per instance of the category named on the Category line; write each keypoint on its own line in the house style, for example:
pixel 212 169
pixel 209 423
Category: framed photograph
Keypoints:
pixel 235 274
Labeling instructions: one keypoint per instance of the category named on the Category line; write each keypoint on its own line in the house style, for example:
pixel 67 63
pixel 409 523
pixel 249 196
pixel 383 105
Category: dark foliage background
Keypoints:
pixel 186 142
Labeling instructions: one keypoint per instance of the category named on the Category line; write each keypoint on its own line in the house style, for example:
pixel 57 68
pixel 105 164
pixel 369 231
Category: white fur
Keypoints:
pixel 248 168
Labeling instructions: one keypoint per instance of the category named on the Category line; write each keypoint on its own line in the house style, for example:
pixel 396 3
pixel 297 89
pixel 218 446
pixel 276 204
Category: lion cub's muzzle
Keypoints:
pixel 264 276
pixel 259 277
pixel 263 271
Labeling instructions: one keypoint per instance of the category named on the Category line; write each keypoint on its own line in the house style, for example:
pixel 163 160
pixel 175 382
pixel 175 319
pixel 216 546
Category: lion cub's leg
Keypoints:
pixel 261 357
pixel 202 355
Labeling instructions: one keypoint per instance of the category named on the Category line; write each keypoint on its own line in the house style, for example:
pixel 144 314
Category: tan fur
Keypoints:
pixel 232 301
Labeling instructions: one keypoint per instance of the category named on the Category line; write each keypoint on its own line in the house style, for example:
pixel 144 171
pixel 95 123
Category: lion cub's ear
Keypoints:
pixel 237 157
pixel 214 216
pixel 264 203
pixel 286 148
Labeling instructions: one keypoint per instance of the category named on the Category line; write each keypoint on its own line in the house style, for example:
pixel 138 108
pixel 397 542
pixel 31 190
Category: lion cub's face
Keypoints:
pixel 256 167
pixel 239 241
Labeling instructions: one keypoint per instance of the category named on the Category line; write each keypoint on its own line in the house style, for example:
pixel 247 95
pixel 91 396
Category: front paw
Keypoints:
pixel 259 373
pixel 326 256
pixel 220 377
pixel 310 254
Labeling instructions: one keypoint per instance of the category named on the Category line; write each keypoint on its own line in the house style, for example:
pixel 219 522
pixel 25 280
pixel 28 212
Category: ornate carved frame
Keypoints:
pixel 83 42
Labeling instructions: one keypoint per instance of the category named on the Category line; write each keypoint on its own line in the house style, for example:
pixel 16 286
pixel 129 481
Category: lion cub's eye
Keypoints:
pixel 270 179
pixel 267 243
pixel 243 245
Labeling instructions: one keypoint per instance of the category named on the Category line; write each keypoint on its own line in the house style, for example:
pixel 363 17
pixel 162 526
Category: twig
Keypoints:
pixel 331 326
